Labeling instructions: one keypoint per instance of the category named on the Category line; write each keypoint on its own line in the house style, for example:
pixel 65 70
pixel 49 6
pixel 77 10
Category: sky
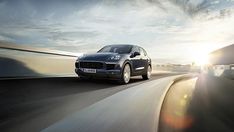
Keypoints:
pixel 171 31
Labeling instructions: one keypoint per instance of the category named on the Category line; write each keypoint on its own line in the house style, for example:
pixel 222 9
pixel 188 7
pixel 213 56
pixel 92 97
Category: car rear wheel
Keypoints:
pixel 126 75
pixel 148 74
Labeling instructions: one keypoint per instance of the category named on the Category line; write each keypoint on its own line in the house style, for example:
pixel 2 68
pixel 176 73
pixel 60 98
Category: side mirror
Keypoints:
pixel 135 54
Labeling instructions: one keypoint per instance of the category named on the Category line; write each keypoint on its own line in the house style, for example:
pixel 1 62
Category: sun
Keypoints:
pixel 200 57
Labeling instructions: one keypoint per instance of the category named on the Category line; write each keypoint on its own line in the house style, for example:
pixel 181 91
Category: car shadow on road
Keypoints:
pixel 111 82
pixel 17 94
pixel 18 90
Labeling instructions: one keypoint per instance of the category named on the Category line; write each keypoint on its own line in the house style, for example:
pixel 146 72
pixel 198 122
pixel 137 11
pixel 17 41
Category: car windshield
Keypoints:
pixel 120 49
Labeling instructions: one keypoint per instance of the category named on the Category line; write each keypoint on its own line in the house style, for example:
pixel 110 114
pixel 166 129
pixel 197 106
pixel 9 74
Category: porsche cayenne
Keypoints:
pixel 119 62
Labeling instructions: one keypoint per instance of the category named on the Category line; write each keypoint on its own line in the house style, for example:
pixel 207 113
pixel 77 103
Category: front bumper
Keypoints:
pixel 109 70
pixel 100 73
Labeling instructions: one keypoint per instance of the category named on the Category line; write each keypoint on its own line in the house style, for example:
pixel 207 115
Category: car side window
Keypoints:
pixel 135 49
pixel 145 53
pixel 142 52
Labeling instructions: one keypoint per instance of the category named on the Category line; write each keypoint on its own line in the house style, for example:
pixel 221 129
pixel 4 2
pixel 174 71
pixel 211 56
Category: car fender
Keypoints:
pixel 125 62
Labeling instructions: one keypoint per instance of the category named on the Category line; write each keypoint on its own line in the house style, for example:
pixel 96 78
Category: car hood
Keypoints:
pixel 98 56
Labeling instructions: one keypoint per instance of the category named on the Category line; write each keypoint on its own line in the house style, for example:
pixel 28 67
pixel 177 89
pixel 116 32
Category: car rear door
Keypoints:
pixel 143 61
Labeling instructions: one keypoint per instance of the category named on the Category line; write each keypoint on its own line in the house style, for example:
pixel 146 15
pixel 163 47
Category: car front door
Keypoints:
pixel 136 61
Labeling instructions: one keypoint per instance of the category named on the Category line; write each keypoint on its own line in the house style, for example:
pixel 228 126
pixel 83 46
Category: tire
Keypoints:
pixel 126 74
pixel 148 73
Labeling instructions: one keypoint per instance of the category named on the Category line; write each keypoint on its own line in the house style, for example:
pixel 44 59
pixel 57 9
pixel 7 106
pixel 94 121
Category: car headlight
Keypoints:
pixel 115 57
pixel 80 57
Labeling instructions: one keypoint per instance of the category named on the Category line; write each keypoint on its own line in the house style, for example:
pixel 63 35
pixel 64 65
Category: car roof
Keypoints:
pixel 124 45
pixel 121 45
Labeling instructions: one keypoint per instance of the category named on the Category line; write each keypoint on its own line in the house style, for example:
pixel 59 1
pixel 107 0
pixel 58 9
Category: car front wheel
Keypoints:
pixel 126 74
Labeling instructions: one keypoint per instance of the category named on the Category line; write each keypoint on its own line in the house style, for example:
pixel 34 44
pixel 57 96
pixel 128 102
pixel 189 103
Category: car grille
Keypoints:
pixel 93 65
pixel 110 66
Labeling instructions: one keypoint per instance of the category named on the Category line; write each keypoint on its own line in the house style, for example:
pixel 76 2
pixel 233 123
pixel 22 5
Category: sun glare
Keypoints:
pixel 200 57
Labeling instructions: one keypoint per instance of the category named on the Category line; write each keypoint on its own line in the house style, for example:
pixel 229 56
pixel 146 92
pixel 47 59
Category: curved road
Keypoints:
pixel 204 103
pixel 36 104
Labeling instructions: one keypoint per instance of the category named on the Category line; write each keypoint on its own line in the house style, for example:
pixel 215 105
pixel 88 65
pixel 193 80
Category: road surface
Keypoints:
pixel 35 104
pixel 203 103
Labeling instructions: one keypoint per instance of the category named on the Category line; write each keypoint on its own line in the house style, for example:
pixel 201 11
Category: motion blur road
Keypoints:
pixel 35 104
pixel 201 104
pixel 167 102
pixel 212 105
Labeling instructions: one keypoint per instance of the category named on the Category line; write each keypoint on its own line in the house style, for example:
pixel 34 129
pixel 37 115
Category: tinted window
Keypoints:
pixel 135 49
pixel 143 52
pixel 120 49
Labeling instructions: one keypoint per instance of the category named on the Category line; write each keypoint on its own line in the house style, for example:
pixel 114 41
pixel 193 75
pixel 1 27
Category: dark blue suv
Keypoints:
pixel 115 62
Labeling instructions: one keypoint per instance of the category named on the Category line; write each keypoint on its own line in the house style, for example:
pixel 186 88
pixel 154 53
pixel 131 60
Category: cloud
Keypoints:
pixel 4 38
pixel 168 29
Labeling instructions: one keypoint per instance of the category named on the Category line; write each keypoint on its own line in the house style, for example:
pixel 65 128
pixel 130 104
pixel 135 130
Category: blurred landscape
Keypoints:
pixel 14 63
pixel 181 68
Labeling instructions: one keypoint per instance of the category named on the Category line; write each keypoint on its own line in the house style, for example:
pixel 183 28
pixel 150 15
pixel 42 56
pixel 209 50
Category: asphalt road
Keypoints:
pixel 36 104
pixel 203 103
